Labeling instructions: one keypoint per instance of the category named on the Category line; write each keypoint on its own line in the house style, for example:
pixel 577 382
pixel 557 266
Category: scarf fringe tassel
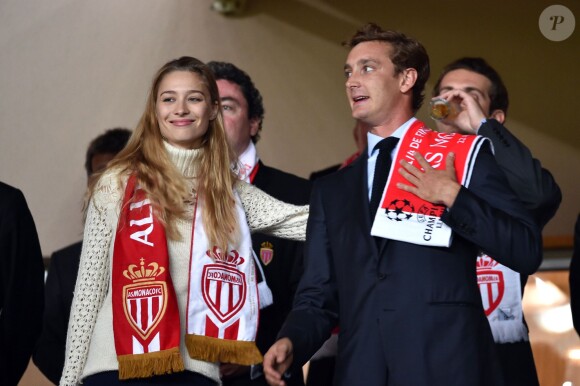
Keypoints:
pixel 150 364
pixel 221 350
pixel 509 331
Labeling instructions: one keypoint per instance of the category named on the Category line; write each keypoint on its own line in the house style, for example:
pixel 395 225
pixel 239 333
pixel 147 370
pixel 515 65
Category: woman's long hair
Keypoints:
pixel 146 157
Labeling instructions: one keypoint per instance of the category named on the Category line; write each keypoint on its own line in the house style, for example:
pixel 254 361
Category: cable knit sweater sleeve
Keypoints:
pixel 266 214
pixel 93 276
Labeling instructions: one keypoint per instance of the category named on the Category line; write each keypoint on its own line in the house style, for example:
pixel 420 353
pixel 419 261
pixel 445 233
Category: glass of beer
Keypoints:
pixel 441 109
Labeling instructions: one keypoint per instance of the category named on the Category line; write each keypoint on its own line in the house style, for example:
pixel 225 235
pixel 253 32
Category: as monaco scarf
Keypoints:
pixel 501 295
pixel 145 313
pixel 223 307
pixel 146 323
pixel 406 217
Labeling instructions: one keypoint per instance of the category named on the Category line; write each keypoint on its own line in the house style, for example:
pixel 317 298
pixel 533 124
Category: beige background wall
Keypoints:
pixel 71 69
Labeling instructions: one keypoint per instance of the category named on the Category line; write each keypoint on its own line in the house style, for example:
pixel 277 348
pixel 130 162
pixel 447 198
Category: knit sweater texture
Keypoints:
pixel 90 347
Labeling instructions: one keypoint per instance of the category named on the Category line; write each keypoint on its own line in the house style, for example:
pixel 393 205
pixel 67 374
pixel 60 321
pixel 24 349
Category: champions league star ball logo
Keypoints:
pixel 399 210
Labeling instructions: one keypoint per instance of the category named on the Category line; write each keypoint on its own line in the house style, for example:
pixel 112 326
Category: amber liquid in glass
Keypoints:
pixel 442 109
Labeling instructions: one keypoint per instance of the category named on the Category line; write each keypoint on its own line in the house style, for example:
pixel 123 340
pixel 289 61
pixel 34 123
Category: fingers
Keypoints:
pixel 407 188
pixel 422 161
pixel 460 95
pixel 469 118
pixel 276 361
pixel 409 172
pixel 450 163
pixel 271 373
pixel 425 166
pixel 412 174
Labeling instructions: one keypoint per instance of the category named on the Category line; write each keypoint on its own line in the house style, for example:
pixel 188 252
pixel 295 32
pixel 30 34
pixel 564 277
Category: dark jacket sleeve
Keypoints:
pixel 315 312
pixel 534 185
pixel 491 216
pixel 22 285
pixel 50 350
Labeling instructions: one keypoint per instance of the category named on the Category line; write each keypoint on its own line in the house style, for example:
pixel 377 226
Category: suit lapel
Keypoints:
pixel 360 168
pixel 357 172
pixel 261 176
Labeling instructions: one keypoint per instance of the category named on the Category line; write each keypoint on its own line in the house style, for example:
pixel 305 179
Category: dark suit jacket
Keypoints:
pixel 540 194
pixel 60 284
pixel 285 268
pixel 409 314
pixel 323 172
pixel 534 185
pixel 21 285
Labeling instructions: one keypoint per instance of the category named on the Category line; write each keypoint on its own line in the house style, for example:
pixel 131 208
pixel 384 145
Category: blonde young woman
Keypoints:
pixel 166 287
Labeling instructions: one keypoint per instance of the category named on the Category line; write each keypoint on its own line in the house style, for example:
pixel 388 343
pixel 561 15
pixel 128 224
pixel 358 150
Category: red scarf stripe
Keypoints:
pixel 145 312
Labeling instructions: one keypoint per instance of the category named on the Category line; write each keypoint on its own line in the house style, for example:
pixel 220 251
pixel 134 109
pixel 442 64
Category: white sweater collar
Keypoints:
pixel 185 160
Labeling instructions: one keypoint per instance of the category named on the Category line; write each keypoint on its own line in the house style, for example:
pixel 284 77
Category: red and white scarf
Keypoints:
pixel 145 311
pixel 501 295
pixel 406 217
pixel 223 307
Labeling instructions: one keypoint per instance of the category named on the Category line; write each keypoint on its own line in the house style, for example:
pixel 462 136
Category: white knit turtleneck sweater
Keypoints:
pixel 90 346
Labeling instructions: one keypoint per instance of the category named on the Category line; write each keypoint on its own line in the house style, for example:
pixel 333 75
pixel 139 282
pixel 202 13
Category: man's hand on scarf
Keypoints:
pixel 435 186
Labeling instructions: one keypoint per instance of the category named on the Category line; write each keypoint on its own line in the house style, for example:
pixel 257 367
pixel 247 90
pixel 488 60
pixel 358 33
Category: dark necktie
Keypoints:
pixel 382 168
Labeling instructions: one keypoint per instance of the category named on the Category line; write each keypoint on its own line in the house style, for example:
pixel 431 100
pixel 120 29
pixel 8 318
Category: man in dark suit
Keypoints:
pixel 409 314
pixel 21 285
pixel 280 260
pixel 474 85
pixel 64 266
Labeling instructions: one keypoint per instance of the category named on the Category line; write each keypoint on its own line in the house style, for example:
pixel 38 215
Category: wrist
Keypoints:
pixel 451 194
pixel 481 122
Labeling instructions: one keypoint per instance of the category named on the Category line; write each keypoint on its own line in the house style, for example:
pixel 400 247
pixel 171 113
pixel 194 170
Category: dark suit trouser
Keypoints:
pixel 517 362
pixel 321 372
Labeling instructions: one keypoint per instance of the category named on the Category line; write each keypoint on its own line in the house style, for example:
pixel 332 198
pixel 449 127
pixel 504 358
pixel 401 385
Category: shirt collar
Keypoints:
pixel 373 139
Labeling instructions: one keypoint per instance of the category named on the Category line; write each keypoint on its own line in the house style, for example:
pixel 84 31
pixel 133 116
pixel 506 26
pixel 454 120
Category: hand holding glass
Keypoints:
pixel 441 109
